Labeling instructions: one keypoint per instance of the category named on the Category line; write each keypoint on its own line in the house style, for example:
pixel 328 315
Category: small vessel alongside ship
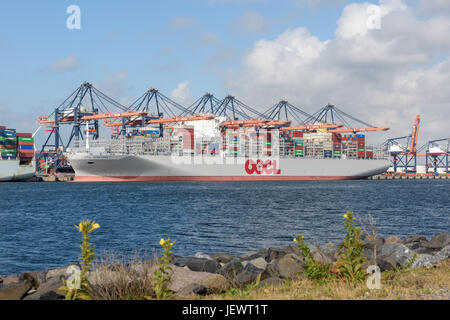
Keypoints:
pixel 17 155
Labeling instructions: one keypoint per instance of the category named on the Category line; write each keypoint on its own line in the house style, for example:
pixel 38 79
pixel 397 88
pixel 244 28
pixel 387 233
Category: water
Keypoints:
pixel 37 232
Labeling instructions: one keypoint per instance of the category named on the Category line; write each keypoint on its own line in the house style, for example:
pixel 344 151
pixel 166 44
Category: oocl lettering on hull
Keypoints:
pixel 262 167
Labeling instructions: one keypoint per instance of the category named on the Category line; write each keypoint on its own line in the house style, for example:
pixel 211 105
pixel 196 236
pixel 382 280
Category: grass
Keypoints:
pixel 413 284
pixel 123 278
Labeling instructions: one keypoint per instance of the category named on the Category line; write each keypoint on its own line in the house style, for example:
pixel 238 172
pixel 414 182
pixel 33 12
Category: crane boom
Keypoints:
pixel 354 130
pixel 162 120
pixel 313 127
pixel 415 135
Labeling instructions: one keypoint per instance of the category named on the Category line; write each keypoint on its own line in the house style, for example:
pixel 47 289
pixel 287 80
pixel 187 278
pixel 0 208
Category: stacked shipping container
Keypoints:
pixel 298 143
pixel 25 143
pixel 8 143
pixel 337 144
pixel 14 144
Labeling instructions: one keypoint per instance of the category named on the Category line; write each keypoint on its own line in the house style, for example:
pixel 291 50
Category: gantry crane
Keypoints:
pixel 437 156
pixel 405 154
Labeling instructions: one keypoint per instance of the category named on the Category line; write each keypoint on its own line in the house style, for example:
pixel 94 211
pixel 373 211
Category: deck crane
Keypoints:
pixel 437 155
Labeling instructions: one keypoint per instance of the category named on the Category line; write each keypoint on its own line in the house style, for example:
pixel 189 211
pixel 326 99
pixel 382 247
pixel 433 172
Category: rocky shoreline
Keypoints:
pixel 216 273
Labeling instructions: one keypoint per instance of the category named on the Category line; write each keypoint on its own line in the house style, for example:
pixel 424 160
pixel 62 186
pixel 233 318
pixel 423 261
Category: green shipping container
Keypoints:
pixel 8 150
pixel 361 150
pixel 298 143
pixel 26 139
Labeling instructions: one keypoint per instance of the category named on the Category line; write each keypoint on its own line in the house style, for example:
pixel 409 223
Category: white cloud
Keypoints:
pixel 431 7
pixel 384 76
pixel 250 22
pixel 182 94
pixel 66 64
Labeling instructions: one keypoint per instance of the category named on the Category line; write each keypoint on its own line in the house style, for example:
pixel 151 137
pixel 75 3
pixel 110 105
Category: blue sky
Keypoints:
pixel 125 47
pixel 157 43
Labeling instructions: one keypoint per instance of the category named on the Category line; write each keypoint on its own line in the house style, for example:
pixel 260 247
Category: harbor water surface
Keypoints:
pixel 37 219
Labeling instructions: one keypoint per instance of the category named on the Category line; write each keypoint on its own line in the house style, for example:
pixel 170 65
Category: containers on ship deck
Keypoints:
pixel 8 143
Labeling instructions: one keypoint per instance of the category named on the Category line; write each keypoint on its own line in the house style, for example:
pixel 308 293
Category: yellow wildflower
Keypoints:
pixel 295 240
pixel 94 226
pixel 80 227
pixel 162 241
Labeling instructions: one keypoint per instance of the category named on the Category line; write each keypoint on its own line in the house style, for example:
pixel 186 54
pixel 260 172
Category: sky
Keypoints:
pixel 382 61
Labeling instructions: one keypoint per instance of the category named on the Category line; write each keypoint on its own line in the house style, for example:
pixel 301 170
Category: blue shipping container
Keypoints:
pixel 26 147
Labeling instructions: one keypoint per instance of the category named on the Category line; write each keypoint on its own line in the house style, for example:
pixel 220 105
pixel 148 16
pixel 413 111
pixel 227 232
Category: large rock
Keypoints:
pixel 331 251
pixel 278 253
pixel 202 255
pixel 386 262
pixel 248 275
pixel 415 241
pixel 49 290
pixel 250 256
pixel 193 288
pixel 394 239
pixel 438 242
pixel 319 255
pixel 15 291
pixel 370 244
pixel 401 253
pixel 182 277
pixel 275 254
pixel 222 257
pixel 445 252
pixel 271 270
pixel 14 278
pixel 259 263
pixel 197 264
pixel 231 269
pixel 60 272
pixel 414 238
pixel 427 260
pixel 289 266
pixel 393 255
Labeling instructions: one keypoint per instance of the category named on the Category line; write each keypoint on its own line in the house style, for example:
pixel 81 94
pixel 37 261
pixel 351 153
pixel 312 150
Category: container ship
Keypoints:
pixel 207 150
pixel 17 155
